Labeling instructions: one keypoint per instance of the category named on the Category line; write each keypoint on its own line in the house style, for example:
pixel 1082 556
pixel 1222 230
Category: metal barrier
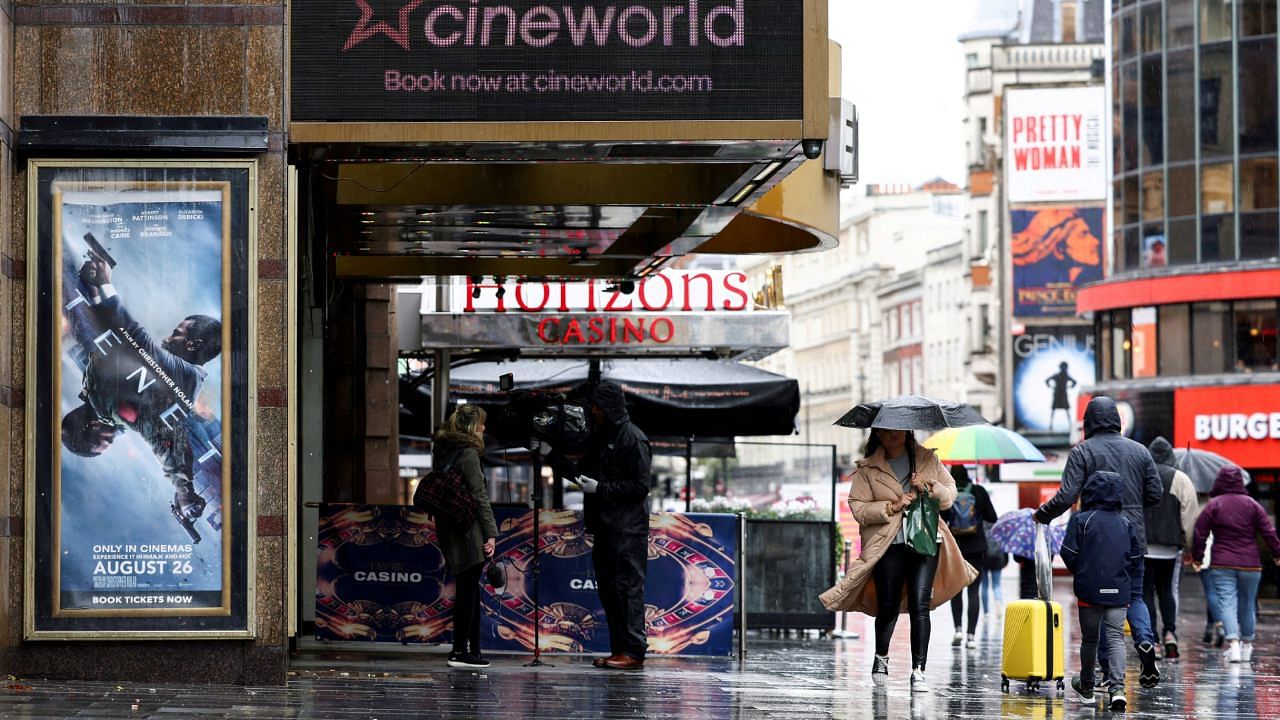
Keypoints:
pixel 788 563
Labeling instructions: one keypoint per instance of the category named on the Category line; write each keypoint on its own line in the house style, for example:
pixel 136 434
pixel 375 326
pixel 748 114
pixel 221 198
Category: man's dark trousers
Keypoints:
pixel 620 563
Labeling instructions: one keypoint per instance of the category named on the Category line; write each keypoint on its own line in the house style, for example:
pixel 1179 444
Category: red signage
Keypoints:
pixel 667 292
pixel 605 330
pixel 1241 423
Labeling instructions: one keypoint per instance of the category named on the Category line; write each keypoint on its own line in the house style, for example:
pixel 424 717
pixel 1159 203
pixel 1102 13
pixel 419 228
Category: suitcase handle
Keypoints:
pixel 1044 565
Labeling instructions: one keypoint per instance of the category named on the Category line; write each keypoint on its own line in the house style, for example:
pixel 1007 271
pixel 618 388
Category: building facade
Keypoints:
pixel 258 176
pixel 1186 326
pixel 858 312
pixel 1023 262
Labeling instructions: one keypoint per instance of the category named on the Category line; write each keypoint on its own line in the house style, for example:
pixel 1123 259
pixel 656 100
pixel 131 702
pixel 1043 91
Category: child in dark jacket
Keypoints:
pixel 1102 579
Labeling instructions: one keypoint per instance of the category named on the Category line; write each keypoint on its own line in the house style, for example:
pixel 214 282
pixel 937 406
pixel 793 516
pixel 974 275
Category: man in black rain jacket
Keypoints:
pixel 614 476
pixel 1104 448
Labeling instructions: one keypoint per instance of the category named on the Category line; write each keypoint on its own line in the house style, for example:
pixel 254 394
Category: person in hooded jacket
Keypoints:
pixel 1105 448
pixel 459 443
pixel 1168 525
pixel 1105 580
pixel 969 511
pixel 614 476
pixel 1235 520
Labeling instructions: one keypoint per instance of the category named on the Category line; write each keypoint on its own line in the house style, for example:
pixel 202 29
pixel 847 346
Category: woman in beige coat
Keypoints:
pixel 884 483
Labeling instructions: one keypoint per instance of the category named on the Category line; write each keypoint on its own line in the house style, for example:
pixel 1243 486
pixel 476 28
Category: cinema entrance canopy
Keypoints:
pixel 588 139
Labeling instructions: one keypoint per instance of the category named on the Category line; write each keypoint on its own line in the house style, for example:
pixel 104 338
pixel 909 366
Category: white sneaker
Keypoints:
pixel 880 670
pixel 1234 654
pixel 957 639
pixel 971 642
pixel 918 682
pixel 1246 652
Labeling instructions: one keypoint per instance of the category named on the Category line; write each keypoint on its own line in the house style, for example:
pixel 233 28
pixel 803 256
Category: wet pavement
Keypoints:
pixel 783 677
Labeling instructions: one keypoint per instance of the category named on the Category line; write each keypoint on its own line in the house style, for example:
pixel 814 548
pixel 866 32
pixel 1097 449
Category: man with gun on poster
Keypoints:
pixel 131 381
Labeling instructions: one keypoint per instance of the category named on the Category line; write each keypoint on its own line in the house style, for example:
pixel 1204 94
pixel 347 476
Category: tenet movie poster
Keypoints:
pixel 139 524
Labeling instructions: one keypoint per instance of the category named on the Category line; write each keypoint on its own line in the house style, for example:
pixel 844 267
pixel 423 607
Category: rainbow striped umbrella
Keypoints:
pixel 982 445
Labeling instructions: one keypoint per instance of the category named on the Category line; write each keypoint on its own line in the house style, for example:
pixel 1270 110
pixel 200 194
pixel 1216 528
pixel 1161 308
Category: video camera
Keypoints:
pixel 549 417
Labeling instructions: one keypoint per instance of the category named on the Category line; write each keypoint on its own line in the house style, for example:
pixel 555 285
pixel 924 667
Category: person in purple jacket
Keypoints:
pixel 1235 520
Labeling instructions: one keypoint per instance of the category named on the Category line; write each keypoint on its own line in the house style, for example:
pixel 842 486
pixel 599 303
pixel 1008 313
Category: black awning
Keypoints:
pixel 674 398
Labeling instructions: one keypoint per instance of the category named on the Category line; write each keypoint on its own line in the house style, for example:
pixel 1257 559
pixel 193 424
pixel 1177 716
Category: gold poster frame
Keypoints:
pixel 59 187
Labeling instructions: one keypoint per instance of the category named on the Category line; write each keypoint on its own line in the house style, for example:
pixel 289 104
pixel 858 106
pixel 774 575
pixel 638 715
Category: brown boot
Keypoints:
pixel 600 661
pixel 624 662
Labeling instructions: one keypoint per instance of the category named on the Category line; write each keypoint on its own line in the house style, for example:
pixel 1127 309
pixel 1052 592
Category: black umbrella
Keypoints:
pixel 911 412
pixel 1202 467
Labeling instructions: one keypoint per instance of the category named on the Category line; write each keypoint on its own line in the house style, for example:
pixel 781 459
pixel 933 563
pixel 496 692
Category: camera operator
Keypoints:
pixel 614 476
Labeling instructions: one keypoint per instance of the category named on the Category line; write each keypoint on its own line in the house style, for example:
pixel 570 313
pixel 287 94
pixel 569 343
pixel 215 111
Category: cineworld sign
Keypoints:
pixel 475 60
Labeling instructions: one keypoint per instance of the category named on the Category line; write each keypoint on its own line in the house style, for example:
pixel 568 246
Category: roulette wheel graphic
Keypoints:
pixel 689 591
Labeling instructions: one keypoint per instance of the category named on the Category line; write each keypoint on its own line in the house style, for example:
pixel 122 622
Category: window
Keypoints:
pixel 1121 345
pixel 1258 96
pixel 1131 200
pixel 1217 124
pixel 1128 35
pixel 982 232
pixel 1153 110
pixel 1182 190
pixel 1181 99
pixel 1257 17
pixel 1152 31
pixel 1217 238
pixel 1258 186
pixel 1211 332
pixel 1104 337
pixel 1143 339
pixel 971 60
pixel 1129 112
pixel 1255 323
pixel 1067 21
pixel 1215 20
pixel 1181 23
pixel 1153 195
pixel 1182 242
pixel 1259 233
pixel 1216 189
pixel 1175 339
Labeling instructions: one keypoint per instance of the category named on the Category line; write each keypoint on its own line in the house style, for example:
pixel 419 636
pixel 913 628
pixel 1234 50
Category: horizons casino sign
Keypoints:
pixel 370 60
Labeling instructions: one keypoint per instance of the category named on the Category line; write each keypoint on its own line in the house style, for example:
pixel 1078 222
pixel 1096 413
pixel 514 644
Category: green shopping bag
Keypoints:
pixel 920 525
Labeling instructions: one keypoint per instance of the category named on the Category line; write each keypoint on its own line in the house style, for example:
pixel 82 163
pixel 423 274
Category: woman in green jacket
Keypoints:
pixel 459 443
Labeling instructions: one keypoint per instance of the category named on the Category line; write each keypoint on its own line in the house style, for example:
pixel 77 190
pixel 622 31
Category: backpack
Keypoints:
pixel 442 493
pixel 964 514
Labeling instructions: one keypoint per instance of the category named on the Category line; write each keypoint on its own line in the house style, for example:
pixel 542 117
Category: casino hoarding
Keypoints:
pixel 381 577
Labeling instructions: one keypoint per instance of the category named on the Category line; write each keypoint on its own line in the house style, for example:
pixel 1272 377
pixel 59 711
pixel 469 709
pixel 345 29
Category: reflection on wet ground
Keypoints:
pixel 795 677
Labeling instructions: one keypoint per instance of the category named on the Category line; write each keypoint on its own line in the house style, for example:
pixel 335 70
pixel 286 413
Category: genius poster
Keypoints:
pixel 141 494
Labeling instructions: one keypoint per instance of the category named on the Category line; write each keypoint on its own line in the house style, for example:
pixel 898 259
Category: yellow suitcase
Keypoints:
pixel 1032 644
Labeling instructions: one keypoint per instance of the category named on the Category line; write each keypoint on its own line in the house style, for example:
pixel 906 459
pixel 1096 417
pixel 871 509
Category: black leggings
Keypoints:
pixel 901 566
pixel 1161 591
pixel 957 602
pixel 466 611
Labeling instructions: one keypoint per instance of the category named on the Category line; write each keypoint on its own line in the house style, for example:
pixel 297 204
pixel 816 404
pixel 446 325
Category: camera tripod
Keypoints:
pixel 536 565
